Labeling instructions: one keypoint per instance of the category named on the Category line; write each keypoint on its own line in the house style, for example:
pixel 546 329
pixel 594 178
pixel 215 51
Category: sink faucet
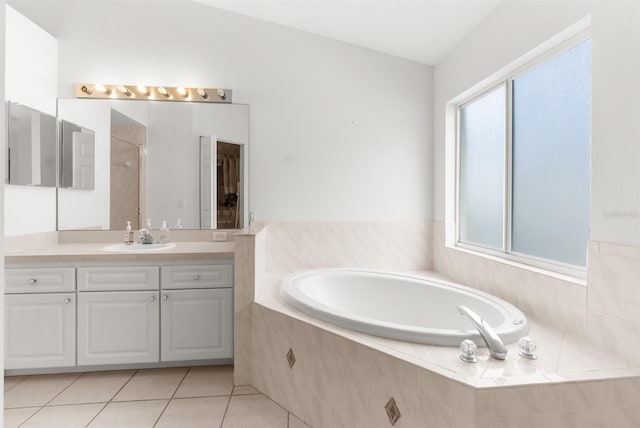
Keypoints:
pixel 496 348
pixel 145 237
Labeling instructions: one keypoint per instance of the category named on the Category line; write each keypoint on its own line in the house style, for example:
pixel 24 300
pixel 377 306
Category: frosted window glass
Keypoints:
pixel 482 137
pixel 551 146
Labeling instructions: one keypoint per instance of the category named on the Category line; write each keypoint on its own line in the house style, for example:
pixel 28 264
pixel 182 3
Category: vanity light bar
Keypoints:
pixel 159 93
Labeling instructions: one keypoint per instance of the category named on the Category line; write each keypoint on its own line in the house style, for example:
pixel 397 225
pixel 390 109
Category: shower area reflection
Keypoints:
pixel 128 143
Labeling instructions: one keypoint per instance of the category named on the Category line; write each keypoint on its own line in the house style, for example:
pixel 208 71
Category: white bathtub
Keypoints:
pixel 398 306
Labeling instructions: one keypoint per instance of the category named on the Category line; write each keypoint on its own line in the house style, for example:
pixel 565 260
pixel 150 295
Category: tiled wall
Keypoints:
pixel 338 383
pixel 606 312
pixel 294 246
pixel 614 299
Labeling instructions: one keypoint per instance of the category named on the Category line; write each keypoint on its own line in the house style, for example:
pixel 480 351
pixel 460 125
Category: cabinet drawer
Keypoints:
pixel 197 276
pixel 44 280
pixel 118 278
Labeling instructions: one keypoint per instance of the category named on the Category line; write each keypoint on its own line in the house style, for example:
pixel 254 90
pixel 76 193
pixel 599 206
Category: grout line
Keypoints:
pixel 96 415
pixel 226 409
pixel 114 395
pixel 172 395
pixel 63 389
pixel 34 413
pixel 24 377
pixel 123 385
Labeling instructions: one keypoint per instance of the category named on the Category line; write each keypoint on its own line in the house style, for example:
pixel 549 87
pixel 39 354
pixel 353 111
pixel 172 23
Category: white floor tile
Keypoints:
pixel 94 387
pixel 130 414
pixel 11 381
pixel 152 384
pixel 208 381
pixel 13 418
pixel 252 411
pixel 203 412
pixel 75 416
pixel 38 390
pixel 244 390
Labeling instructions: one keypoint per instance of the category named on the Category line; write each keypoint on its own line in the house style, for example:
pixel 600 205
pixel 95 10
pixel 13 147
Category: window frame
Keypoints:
pixel 506 81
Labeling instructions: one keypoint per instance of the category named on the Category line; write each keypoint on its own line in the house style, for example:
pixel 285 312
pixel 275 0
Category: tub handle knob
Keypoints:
pixel 528 348
pixel 468 351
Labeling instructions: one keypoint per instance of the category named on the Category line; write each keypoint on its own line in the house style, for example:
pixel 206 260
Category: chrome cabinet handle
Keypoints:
pixel 196 277
pixel 153 298
pixel 67 300
pixel 32 281
pixel 165 297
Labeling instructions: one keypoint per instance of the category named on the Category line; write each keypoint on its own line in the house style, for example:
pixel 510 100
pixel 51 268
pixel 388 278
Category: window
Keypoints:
pixel 524 165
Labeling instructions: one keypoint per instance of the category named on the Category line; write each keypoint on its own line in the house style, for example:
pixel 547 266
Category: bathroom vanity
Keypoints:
pixel 84 309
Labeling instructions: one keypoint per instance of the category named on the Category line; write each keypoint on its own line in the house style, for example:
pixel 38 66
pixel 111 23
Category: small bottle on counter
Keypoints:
pixel 128 236
pixel 164 233
pixel 178 224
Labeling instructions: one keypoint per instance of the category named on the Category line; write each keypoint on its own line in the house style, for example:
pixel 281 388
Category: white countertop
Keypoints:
pixel 93 252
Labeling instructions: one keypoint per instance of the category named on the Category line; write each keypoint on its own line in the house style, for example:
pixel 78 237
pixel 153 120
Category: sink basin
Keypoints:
pixel 136 248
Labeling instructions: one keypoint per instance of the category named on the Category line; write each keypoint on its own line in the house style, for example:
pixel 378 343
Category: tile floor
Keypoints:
pixel 188 397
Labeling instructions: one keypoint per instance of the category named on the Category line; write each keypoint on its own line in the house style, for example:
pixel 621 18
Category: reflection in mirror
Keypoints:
pixel 128 166
pixel 31 154
pixel 148 164
pixel 77 156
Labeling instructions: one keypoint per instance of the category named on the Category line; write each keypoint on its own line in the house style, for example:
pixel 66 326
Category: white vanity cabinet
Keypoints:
pixel 123 313
pixel 40 318
pixel 196 312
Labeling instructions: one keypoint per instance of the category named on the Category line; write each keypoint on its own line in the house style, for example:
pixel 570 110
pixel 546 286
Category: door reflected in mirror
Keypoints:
pixel 149 167
pixel 77 156
pixel 31 151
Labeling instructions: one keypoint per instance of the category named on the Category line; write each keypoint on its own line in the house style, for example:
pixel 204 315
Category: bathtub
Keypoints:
pixel 398 306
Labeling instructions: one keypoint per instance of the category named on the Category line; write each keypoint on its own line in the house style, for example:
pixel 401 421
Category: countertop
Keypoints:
pixel 93 252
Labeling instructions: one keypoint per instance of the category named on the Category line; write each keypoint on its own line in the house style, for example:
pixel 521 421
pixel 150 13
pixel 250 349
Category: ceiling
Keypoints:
pixel 418 30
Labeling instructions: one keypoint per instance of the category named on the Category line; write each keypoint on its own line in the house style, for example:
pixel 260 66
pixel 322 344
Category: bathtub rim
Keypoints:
pixel 394 331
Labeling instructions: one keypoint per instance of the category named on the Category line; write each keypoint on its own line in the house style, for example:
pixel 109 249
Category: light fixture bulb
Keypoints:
pixel 182 91
pixel 202 93
pixel 101 88
pixel 123 89
pixel 221 94
pixel 163 91
pixel 142 89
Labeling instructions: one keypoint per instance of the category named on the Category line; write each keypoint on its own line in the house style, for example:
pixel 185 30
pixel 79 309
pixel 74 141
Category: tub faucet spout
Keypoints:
pixel 496 348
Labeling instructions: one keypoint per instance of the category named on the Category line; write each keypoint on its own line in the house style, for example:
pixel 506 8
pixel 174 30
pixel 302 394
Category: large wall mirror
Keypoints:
pixel 183 163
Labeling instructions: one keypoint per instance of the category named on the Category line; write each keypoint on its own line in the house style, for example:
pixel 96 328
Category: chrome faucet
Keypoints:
pixel 496 348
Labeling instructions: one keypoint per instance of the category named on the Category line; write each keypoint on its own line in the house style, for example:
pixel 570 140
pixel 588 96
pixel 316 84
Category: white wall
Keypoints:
pixel 31 77
pixel 515 28
pixel 337 132
pixel 2 167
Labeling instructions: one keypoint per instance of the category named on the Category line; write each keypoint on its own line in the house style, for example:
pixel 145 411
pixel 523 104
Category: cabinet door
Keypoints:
pixel 40 330
pixel 118 327
pixel 197 324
